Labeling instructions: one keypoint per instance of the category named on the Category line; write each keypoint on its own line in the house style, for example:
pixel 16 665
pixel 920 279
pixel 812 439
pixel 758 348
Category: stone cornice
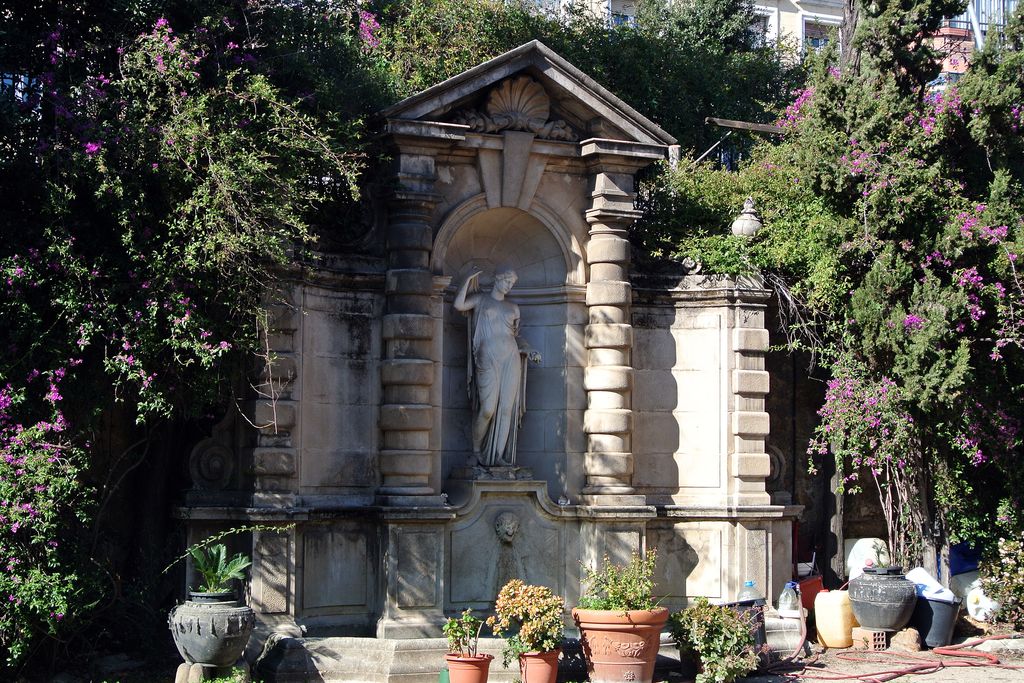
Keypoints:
pixel 716 512
pixel 699 289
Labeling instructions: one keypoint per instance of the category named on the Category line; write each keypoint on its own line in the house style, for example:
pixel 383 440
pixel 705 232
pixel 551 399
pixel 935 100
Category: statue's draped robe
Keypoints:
pixel 497 377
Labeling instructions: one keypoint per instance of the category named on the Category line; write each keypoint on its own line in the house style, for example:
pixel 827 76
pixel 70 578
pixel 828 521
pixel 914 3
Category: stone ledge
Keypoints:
pixel 727 512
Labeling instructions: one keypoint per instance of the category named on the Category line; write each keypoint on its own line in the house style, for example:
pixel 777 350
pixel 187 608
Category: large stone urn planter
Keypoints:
pixel 211 629
pixel 882 598
pixel 620 645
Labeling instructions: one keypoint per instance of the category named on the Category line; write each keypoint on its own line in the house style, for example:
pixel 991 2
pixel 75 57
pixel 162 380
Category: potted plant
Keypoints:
pixel 211 628
pixel 532 618
pixel 465 665
pixel 620 625
pixel 217 572
pixel 719 639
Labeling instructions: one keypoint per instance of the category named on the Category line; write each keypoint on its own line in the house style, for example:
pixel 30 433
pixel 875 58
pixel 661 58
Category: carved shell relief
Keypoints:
pixel 518 103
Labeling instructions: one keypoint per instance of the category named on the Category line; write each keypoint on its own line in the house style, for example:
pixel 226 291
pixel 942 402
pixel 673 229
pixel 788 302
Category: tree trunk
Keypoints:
pixel 836 552
pixel 849 57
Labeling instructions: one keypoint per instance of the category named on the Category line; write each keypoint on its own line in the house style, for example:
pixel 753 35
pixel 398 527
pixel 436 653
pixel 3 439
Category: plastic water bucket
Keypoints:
pixel 935 619
pixel 809 589
pixel 833 617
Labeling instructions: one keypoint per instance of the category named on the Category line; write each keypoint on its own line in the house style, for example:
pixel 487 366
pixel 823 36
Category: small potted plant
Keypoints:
pixel 211 628
pixel 217 572
pixel 717 638
pixel 620 624
pixel 465 664
pixel 531 616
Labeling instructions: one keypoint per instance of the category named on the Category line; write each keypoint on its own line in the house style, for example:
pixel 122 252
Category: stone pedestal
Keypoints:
pixel 196 673
pixel 413 545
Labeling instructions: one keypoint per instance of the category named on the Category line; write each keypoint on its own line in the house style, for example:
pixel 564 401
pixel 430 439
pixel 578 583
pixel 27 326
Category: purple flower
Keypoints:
pixel 913 322
pixel 92 147
pixel 368 27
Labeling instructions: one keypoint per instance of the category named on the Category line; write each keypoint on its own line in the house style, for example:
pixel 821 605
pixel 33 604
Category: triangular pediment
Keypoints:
pixel 531 88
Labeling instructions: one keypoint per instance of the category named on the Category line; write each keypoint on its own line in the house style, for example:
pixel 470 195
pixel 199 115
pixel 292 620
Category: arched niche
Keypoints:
pixel 493 240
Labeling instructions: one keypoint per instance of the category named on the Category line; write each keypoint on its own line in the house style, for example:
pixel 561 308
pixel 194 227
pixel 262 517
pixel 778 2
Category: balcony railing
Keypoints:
pixel 990 15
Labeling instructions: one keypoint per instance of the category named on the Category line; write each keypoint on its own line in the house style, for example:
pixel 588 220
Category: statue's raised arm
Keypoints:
pixel 464 301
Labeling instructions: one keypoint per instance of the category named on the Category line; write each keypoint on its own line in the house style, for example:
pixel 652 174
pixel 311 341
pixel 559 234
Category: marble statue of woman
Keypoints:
pixel 497 368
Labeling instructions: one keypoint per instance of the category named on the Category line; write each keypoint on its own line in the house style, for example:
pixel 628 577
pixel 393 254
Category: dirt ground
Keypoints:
pixel 868 667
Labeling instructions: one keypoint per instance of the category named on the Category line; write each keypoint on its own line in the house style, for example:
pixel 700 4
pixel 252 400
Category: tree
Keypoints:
pixel 893 217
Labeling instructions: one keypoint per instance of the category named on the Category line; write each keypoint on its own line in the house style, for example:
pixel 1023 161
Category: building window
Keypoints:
pixel 17 87
pixel 621 12
pixel 623 20
pixel 816 36
pixel 758 30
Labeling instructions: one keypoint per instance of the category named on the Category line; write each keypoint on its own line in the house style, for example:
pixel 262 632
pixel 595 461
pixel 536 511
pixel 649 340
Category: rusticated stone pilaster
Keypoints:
pixel 608 377
pixel 407 374
pixel 749 463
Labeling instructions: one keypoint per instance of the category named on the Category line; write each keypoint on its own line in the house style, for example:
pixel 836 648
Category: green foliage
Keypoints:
pixel 39 498
pixel 721 638
pixel 463 634
pixel 620 587
pixel 169 162
pixel 867 429
pixel 1002 578
pixel 159 175
pixel 530 616
pixel 216 570
pixel 236 676
pixel 892 218
pixel 670 50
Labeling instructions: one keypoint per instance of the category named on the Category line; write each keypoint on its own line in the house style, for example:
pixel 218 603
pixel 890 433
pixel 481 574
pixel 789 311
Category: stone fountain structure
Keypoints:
pixel 643 422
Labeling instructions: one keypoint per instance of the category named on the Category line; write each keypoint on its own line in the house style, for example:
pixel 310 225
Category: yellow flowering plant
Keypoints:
pixel 531 616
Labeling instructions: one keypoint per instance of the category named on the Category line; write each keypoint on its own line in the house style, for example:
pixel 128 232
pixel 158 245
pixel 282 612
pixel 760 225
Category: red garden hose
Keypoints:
pixel 916 664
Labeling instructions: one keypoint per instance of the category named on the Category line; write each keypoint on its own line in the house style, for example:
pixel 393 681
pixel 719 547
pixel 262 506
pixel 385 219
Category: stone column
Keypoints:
pixel 409 455
pixel 608 377
pixel 748 425
pixel 275 457
pixel 407 370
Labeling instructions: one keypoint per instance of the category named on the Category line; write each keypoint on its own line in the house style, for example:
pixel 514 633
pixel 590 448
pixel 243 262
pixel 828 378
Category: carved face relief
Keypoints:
pixel 505 526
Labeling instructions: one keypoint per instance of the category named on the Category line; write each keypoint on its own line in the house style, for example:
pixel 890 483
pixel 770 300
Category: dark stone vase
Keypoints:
pixel 882 598
pixel 211 629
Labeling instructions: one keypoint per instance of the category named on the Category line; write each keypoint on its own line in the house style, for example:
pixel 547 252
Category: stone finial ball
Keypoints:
pixel 747 223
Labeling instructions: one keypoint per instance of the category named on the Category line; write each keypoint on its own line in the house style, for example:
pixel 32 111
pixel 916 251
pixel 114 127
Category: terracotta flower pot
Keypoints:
pixel 468 669
pixel 539 667
pixel 620 646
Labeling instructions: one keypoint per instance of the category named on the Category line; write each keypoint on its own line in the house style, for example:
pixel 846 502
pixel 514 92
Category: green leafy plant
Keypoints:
pixel 620 587
pixel 534 613
pixel 209 557
pixel 463 634
pixel 721 638
pixel 217 570
pixel 1002 579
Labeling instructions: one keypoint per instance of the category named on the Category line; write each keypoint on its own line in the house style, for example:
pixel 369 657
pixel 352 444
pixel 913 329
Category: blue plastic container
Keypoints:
pixel 963 558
